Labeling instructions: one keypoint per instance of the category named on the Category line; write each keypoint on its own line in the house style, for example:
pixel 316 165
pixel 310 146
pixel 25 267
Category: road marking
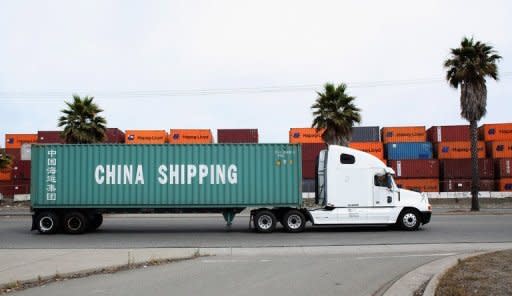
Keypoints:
pixel 406 256
pixel 234 260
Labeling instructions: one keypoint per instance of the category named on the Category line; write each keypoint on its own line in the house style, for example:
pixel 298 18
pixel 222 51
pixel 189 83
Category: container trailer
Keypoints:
pixel 74 185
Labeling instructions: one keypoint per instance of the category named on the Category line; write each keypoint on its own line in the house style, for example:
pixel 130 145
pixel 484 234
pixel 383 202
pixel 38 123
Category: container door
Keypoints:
pixel 384 199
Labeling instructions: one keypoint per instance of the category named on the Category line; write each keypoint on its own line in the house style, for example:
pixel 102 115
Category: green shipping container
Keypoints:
pixel 166 176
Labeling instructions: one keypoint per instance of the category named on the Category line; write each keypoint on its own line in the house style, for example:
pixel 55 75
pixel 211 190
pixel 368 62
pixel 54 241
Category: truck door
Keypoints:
pixel 384 199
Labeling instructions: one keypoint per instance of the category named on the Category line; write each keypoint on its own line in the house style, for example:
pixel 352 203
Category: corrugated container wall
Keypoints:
pixel 114 136
pixel 464 185
pixel 305 135
pixel 420 185
pixel 237 136
pixel 504 184
pixel 457 150
pixel 447 133
pixel 461 168
pixel 499 149
pixel 49 137
pixel 374 148
pixel 14 141
pixel 494 132
pixel 14 153
pixel 503 168
pixel 190 136
pixel 400 151
pixel 365 134
pixel 403 134
pixel 145 137
pixel 171 176
pixel 310 152
pixel 416 168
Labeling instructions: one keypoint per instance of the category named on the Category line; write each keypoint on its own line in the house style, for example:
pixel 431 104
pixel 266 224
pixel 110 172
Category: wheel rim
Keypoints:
pixel 74 223
pixel 46 224
pixel 409 220
pixel 294 221
pixel 265 222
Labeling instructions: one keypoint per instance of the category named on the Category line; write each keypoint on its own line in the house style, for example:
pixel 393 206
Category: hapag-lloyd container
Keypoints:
pixel 365 134
pixel 400 151
pixel 464 185
pixel 5 174
pixel 420 185
pixel 457 150
pixel 237 136
pixel 446 133
pixel 403 134
pixel 499 149
pixel 416 168
pixel 190 136
pixel 504 184
pixel 374 148
pixel 495 132
pixel 461 168
pixel 217 176
pixel 503 168
pixel 145 137
pixel 50 137
pixel 305 135
pixel 14 141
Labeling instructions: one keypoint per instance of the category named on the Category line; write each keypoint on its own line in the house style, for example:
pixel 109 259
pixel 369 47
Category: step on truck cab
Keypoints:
pixel 353 187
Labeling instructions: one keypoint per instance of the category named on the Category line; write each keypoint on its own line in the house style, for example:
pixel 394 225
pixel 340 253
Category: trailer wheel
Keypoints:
pixel 95 221
pixel 294 221
pixel 75 223
pixel 47 223
pixel 409 220
pixel 265 221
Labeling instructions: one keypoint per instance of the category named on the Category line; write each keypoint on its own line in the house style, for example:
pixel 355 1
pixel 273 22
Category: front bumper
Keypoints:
pixel 425 217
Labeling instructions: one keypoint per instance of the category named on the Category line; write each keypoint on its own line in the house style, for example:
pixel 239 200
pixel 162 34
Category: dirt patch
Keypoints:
pixel 488 274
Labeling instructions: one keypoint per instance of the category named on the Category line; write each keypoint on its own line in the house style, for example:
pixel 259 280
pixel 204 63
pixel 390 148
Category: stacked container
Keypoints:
pixel 498 140
pixel 410 155
pixel 190 136
pixel 312 143
pixel 114 136
pixel 16 179
pixel 50 137
pixel 367 139
pixel 237 136
pixel 145 137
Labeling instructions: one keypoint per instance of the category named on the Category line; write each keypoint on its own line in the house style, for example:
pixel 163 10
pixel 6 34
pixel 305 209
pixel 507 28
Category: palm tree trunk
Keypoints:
pixel 475 182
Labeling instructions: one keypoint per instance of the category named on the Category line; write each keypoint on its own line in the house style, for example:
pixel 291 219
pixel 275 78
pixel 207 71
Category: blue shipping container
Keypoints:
pixel 399 151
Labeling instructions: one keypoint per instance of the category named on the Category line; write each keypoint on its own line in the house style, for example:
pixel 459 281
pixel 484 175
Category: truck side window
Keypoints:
pixel 381 181
pixel 347 159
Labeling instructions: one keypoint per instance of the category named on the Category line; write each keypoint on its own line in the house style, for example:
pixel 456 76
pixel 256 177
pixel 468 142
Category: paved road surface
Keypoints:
pixel 140 232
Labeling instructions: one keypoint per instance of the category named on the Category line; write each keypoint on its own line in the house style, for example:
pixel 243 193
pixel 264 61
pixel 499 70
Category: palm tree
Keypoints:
pixel 81 122
pixel 5 160
pixel 468 66
pixel 335 111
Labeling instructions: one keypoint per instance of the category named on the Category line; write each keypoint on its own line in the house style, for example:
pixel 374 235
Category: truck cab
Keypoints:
pixel 354 187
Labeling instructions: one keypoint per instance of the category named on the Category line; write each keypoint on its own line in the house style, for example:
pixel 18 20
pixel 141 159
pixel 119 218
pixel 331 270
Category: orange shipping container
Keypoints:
pixel 190 136
pixel 421 185
pixel 5 175
pixel 305 135
pixel 374 148
pixel 403 134
pixel 145 137
pixel 499 149
pixel 497 131
pixel 457 150
pixel 13 141
pixel 505 184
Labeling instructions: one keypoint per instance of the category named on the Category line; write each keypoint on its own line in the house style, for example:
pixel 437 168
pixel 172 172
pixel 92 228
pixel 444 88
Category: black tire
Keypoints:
pixel 409 220
pixel 47 222
pixel 265 221
pixel 294 221
pixel 95 221
pixel 75 223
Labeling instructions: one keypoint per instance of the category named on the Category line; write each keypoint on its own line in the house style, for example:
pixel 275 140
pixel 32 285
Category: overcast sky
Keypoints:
pixel 241 64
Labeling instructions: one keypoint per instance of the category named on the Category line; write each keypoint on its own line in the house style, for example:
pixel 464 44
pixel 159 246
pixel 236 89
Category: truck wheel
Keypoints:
pixel 294 221
pixel 265 221
pixel 409 220
pixel 47 223
pixel 75 223
pixel 95 221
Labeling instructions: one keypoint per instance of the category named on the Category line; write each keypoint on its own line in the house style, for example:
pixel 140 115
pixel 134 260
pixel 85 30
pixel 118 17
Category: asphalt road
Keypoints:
pixel 250 275
pixel 201 231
